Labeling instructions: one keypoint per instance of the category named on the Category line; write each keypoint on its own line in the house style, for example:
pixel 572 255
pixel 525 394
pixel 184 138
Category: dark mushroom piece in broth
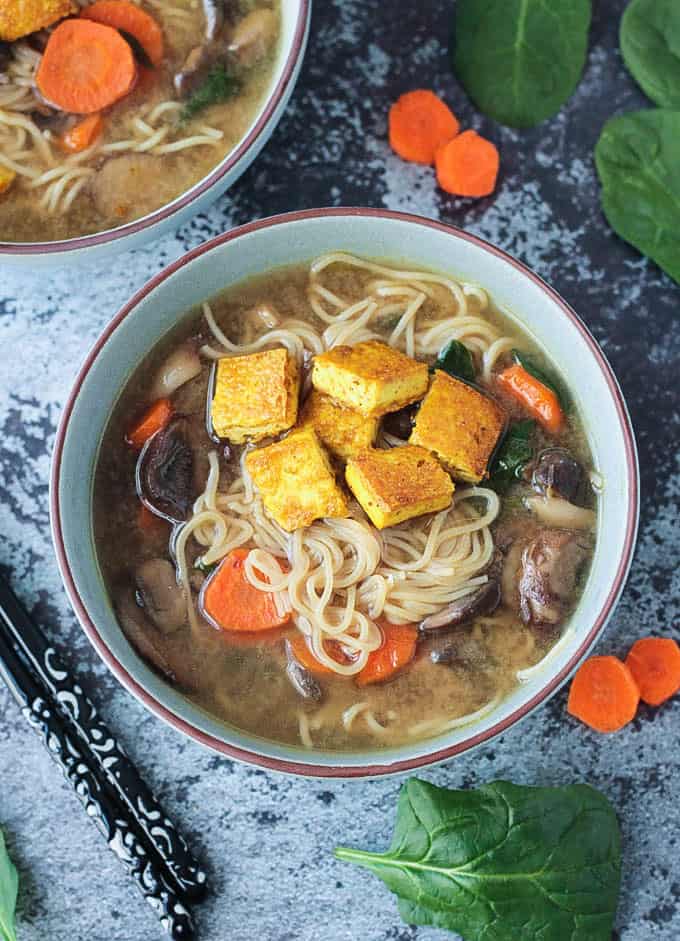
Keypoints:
pixel 354 547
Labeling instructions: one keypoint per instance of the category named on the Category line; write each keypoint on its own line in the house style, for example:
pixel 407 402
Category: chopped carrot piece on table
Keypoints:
pixel 419 123
pixel 655 664
pixel 232 603
pixel 467 165
pixel 153 419
pixel 540 401
pixel 86 67
pixel 603 694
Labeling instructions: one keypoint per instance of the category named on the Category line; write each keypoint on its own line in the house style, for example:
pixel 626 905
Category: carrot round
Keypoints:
pixel 230 602
pixel 538 400
pixel 419 122
pixel 467 165
pixel 305 657
pixel 603 694
pixel 82 135
pixel 655 664
pixel 397 650
pixel 86 67
pixel 153 419
pixel 126 16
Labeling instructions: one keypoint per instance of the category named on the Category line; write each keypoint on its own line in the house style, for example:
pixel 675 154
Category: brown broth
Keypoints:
pixel 244 684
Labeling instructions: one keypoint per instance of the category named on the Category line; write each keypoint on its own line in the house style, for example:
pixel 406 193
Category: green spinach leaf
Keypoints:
pixel 9 883
pixel 504 862
pixel 456 359
pixel 650 45
pixel 520 60
pixel 513 454
pixel 218 86
pixel 638 162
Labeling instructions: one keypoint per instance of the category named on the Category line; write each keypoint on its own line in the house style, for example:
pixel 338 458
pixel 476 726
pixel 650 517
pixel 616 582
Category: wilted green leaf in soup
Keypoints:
pixel 520 60
pixel 9 882
pixel 638 162
pixel 455 359
pixel 504 862
pixel 650 45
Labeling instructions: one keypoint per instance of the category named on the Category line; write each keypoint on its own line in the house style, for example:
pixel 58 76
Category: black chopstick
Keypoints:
pixel 125 840
pixel 183 869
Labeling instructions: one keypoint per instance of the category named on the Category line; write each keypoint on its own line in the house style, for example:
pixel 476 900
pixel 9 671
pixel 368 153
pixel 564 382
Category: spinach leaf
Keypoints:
pixel 528 363
pixel 218 86
pixel 638 162
pixel 455 359
pixel 9 882
pixel 520 60
pixel 650 45
pixel 513 454
pixel 503 862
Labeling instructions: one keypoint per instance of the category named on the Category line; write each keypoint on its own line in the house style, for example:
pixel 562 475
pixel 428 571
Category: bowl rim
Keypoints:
pixel 198 189
pixel 340 770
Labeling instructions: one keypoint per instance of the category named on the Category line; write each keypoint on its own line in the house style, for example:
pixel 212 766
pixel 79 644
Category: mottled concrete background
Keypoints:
pixel 267 840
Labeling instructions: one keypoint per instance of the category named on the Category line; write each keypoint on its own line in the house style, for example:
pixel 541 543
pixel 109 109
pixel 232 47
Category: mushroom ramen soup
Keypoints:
pixel 110 109
pixel 345 505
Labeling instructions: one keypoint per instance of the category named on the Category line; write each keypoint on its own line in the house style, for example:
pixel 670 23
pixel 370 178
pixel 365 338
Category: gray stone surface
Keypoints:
pixel 267 840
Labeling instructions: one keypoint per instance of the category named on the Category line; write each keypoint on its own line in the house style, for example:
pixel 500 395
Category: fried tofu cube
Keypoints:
pixel 343 431
pixel 460 425
pixel 371 377
pixel 397 484
pixel 296 481
pixel 20 17
pixel 7 177
pixel 255 395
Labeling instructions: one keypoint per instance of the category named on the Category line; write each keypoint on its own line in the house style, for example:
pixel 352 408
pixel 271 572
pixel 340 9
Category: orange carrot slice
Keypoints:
pixel 538 400
pixel 153 419
pixel 232 603
pixel 82 135
pixel 126 16
pixel 655 664
pixel 86 67
pixel 603 694
pixel 419 123
pixel 467 165
pixel 305 657
pixel 397 650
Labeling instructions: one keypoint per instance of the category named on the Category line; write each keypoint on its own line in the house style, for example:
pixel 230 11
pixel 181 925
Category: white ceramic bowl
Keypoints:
pixel 297 237
pixel 295 16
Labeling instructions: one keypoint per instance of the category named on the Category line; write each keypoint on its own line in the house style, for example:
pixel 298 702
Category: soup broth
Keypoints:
pixel 183 116
pixel 470 597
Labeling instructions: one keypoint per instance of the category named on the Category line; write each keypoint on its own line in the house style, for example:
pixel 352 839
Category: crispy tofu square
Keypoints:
pixel 460 425
pixel 371 377
pixel 255 395
pixel 296 481
pixel 343 431
pixel 398 484
pixel 20 17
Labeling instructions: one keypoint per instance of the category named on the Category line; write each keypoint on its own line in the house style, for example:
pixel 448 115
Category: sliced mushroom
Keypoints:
pixel 180 367
pixel 162 598
pixel 557 474
pixel 131 186
pixel 400 423
pixel 150 643
pixel 165 472
pixel 548 573
pixel 461 651
pixel 482 601
pixel 554 511
pixel 301 678
pixel 254 37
